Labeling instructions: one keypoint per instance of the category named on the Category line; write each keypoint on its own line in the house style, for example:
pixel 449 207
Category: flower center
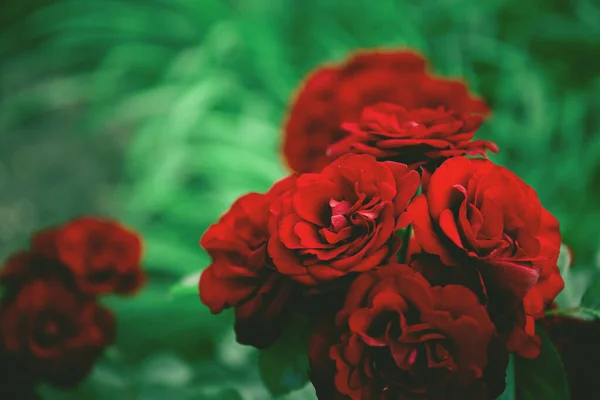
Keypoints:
pixel 101 275
pixel 47 333
pixel 339 211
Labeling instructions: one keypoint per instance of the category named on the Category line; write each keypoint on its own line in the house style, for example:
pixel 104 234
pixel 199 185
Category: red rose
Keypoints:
pixel 103 255
pixel 341 220
pixel 390 132
pixel 52 330
pixel 335 94
pixel 488 227
pixel 241 274
pixel 513 324
pixel 400 338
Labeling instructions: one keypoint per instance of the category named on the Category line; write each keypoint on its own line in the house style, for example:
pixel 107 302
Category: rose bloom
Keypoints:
pixel 488 230
pixel 103 255
pixel 241 274
pixel 334 94
pixel 342 220
pixel 54 331
pixel 414 137
pixel 399 338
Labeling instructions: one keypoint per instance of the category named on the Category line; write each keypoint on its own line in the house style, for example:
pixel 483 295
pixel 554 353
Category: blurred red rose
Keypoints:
pixel 53 331
pixel 399 338
pixel 488 228
pixel 341 220
pixel 241 274
pixel 334 94
pixel 419 136
pixel 577 343
pixel 103 255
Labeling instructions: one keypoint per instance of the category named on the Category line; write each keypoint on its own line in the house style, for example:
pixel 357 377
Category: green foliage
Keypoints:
pixel 591 298
pixel 306 393
pixel 581 294
pixel 510 391
pixel 161 377
pixel 542 377
pixel 157 321
pixel 187 286
pixel 284 365
pixel 177 89
pixel 577 282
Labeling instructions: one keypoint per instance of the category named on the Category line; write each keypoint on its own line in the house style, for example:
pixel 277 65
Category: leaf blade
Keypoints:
pixel 284 365
pixel 543 377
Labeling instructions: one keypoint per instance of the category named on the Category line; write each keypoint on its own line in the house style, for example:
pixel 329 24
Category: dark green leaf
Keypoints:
pixel 284 365
pixel 306 393
pixel 510 391
pixel 543 377
pixel 225 394
pixel 405 234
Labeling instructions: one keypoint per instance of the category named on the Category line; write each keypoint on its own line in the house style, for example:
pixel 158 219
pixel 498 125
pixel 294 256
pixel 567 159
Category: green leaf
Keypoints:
pixel 166 370
pixel 591 298
pixel 225 394
pixel 405 234
pixel 306 393
pixel 577 312
pixel 564 260
pixel 284 365
pixel 510 391
pixel 577 281
pixel 543 377
pixel 187 327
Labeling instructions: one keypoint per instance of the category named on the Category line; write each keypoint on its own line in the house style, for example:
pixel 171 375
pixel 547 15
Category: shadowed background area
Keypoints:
pixel 162 112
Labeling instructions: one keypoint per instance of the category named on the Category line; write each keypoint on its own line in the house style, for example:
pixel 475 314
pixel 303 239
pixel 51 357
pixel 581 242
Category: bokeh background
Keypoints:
pixel 162 112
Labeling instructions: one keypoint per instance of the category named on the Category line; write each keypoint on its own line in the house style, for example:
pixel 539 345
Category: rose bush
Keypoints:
pixel 432 316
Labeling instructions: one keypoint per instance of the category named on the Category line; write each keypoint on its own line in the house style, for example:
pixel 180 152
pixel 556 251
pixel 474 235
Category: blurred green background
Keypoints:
pixel 162 112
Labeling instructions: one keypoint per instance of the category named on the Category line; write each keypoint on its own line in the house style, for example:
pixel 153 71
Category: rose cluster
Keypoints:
pixel 422 263
pixel 52 327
